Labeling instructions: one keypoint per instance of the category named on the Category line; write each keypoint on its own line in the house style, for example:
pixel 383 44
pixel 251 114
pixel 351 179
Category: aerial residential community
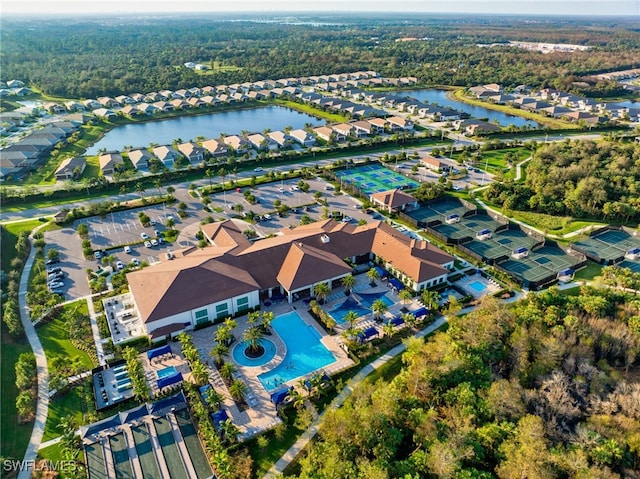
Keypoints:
pixel 370 245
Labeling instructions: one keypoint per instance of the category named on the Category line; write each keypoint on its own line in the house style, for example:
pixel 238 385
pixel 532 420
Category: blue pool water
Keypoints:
pixel 478 286
pixel 241 358
pixel 359 303
pixel 166 372
pixel 305 352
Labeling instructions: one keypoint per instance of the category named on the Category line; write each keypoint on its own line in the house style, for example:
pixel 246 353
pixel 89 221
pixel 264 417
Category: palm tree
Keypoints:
pixel 405 295
pixel 238 390
pixel 170 190
pixel 222 173
pixel 252 336
pixel 209 174
pixel 351 318
pixel 267 319
pixel 429 299
pixel 296 398
pixel 373 276
pixel 253 316
pixel 199 372
pixel 229 431
pixel 349 282
pixel 227 370
pixel 388 329
pixel 213 398
pixel 219 351
pixel 140 189
pixel 410 319
pixel 321 290
pixel 170 223
pixel 379 307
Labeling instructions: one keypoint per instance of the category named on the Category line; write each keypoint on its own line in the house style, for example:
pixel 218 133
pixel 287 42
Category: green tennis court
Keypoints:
pixel 609 245
pixel 375 178
pixel 120 456
pixel 634 266
pixel 169 448
pixel 192 441
pixel 95 461
pixel 145 452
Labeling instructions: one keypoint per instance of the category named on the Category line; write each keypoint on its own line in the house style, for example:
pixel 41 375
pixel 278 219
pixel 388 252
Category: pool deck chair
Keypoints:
pixel 632 254
pixel 450 219
pixel 520 253
pixel 280 396
pixel 367 334
pixel 483 235
pixel 218 418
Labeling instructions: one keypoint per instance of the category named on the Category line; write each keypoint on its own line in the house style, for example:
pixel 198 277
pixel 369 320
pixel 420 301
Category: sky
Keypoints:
pixel 521 7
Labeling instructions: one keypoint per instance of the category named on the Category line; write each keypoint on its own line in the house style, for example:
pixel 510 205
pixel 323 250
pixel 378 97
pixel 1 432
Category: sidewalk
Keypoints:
pixel 42 405
pixel 282 463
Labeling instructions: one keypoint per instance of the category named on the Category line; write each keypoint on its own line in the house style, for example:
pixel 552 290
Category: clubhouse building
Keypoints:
pixel 197 286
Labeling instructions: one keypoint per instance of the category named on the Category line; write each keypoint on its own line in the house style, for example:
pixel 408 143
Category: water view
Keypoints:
pixel 209 126
pixel 440 97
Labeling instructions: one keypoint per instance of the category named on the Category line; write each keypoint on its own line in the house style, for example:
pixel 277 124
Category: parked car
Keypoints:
pixel 135 262
pixel 120 265
pixel 154 242
pixel 97 255
pixel 152 222
pixel 53 285
pixel 257 169
pixel 147 244
pixel 144 236
pixel 347 219
pixel 52 261
pixel 55 276
pixel 127 249
pixel 54 270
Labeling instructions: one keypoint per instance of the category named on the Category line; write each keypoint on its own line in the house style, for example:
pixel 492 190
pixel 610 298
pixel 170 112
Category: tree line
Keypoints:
pixel 583 179
pixel 90 58
pixel 544 389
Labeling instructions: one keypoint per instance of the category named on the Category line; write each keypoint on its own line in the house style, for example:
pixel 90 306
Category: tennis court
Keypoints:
pixel 95 461
pixel 467 227
pixel 145 452
pixel 375 178
pixel 634 266
pixel 190 437
pixel 437 211
pixel 542 264
pixel 608 246
pixel 169 448
pixel 120 456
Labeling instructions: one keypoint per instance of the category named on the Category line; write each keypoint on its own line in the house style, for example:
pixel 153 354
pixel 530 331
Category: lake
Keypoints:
pixel 188 128
pixel 440 97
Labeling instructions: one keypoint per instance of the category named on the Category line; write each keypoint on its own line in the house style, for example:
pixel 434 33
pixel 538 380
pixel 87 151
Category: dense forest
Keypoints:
pixel 87 58
pixel 546 389
pixel 577 178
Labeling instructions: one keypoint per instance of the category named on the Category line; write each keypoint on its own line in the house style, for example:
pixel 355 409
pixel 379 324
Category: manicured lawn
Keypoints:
pixel 589 272
pixel 93 167
pixel 494 161
pixel 54 453
pixel 72 404
pixel 264 459
pixel 311 110
pixel 55 337
pixel 14 437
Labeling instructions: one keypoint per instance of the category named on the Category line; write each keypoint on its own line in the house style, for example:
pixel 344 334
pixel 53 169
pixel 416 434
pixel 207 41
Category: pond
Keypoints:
pixel 440 97
pixel 209 126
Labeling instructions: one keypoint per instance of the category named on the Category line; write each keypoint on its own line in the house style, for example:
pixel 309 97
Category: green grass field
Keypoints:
pixel 495 161
pixel 55 337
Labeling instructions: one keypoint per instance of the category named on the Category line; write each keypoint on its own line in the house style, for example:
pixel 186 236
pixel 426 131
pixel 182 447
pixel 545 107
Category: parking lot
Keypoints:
pixel 72 262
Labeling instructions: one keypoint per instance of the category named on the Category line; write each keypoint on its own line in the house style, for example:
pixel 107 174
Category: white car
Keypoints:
pixel 281 189
pixel 97 255
pixel 295 188
pixel 170 218
pixel 127 249
pixel 258 169
pixel 144 236
pixel 55 285
pixel 267 217
pixel 347 219
pixel 154 242
pixel 152 221
pixel 120 265
pixel 135 262
pixel 147 244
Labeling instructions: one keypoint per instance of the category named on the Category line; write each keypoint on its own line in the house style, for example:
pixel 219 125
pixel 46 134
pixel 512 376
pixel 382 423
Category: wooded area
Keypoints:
pixel 87 58
pixel 578 178
pixel 546 389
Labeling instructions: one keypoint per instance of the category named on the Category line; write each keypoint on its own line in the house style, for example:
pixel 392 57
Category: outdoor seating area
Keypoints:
pixel 123 320
pixel 163 368
pixel 111 385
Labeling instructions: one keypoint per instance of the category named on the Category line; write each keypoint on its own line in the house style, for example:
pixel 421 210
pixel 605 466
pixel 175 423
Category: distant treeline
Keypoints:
pixel 88 58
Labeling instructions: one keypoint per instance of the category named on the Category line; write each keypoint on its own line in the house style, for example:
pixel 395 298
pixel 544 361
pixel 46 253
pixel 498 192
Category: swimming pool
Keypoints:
pixel 359 303
pixel 241 358
pixel 478 286
pixel 305 352
pixel 166 372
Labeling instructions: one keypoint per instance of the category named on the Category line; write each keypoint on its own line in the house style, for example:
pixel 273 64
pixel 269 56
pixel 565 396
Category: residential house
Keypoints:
pixel 73 105
pixel 108 102
pixel 147 108
pixel 193 152
pixel 361 128
pixel 179 104
pixel 215 148
pixel 54 108
pixel 71 168
pixel 110 163
pixel 393 201
pixel 125 100
pixel 434 163
pixel 195 102
pixel 105 113
pixel 131 111
pixel 281 138
pixel 260 142
pixel 237 143
pixel 91 104
pixel 378 125
pixel 343 131
pixel 325 133
pixel 167 155
pixel 398 123
pixel 140 158
pixel 303 137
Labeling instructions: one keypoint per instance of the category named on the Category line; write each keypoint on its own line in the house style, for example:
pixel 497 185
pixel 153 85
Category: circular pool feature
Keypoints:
pixel 240 354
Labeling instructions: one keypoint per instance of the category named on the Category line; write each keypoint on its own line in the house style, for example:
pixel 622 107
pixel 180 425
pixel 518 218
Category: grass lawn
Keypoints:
pixel 263 459
pixel 311 110
pixel 55 337
pixel 93 168
pixel 73 403
pixel 589 272
pixel 496 164
pixel 14 437
pixel 54 453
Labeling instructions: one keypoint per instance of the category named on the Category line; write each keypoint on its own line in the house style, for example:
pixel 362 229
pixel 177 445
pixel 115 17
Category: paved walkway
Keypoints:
pixel 280 465
pixel 42 405
pixel 95 331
